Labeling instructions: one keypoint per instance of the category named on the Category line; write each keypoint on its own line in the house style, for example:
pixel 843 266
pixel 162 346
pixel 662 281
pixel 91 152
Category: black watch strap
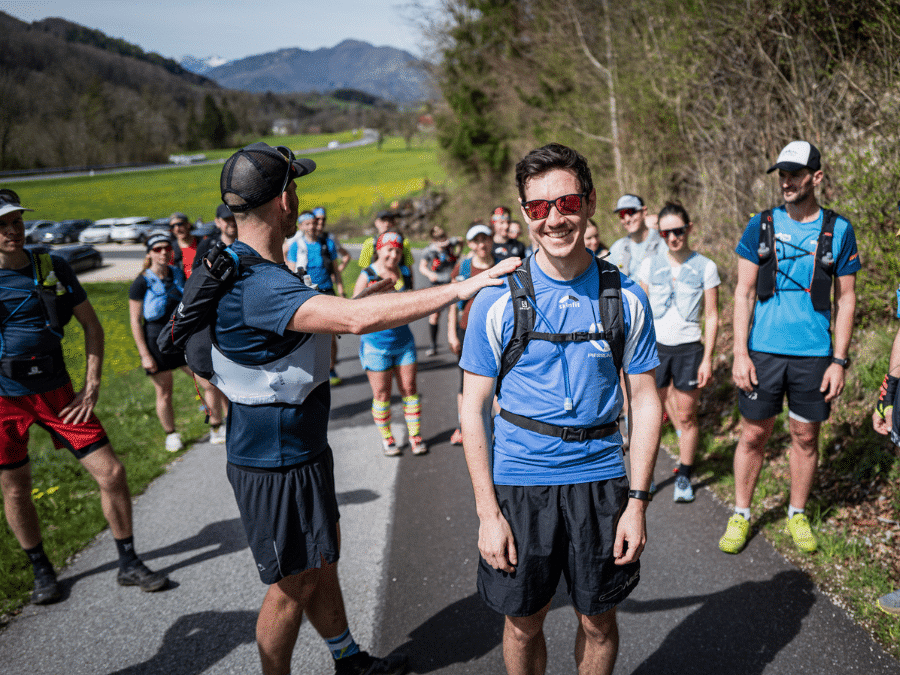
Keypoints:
pixel 643 495
pixel 843 363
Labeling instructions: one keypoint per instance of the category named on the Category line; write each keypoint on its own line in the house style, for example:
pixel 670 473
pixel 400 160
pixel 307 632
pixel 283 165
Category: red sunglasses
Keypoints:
pixel 627 213
pixel 538 209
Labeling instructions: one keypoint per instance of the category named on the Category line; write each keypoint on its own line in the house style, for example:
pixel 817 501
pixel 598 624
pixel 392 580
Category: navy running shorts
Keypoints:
pixel 561 529
pixel 797 376
pixel 290 515
pixel 678 365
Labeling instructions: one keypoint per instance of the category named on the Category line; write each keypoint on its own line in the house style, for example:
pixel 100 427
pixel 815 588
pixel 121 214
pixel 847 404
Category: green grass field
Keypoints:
pixel 350 183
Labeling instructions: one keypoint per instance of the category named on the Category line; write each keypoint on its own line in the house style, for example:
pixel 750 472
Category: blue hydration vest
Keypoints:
pixel 156 298
pixel 686 292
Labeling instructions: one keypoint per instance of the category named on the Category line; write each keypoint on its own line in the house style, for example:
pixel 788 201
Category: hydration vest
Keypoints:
pixel 653 247
pixel 612 319
pixel 686 291
pixel 156 297
pixel 820 286
pixel 289 377
pixel 405 277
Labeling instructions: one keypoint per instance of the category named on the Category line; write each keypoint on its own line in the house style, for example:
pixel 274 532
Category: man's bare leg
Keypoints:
pixel 18 506
pixel 280 617
pixel 748 458
pixel 804 459
pixel 115 498
pixel 596 643
pixel 524 645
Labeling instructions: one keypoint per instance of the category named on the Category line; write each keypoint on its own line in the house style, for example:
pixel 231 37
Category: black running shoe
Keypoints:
pixel 139 575
pixel 46 589
pixel 365 664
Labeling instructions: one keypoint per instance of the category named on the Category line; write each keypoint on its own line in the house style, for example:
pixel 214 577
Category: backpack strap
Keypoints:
pixel 768 263
pixel 823 272
pixel 611 310
pixel 521 292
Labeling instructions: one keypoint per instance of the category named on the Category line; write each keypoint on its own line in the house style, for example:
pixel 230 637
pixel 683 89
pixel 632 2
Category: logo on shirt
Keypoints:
pixel 568 301
pixel 782 236
pixel 34 371
pixel 601 346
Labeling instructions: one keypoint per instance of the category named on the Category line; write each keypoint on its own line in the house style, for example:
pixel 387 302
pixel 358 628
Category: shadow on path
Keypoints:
pixel 740 629
pixel 196 642
pixel 463 631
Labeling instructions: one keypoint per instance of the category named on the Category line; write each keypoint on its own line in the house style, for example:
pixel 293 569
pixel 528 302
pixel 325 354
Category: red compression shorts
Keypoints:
pixel 18 413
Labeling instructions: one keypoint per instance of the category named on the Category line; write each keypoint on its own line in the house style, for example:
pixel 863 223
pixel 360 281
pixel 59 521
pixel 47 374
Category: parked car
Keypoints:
pixel 135 229
pixel 34 230
pixel 65 231
pixel 80 257
pixel 98 233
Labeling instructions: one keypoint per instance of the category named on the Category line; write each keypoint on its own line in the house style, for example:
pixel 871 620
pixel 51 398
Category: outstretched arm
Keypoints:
pixel 374 312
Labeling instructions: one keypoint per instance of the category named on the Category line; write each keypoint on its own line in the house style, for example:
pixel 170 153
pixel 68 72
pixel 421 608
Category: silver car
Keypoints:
pixel 135 229
pixel 98 233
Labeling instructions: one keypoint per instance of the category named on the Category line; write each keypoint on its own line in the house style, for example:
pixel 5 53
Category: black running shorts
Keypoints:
pixel 561 529
pixel 290 515
pixel 798 376
pixel 678 365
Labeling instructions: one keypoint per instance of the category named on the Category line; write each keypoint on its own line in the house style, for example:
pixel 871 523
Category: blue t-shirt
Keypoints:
pixel 252 329
pixel 318 271
pixel 23 329
pixel 390 338
pixel 535 386
pixel 787 323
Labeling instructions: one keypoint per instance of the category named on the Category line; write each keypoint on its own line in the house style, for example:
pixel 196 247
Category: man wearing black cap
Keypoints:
pixel 790 257
pixel 35 389
pixel 279 461
pixel 226 232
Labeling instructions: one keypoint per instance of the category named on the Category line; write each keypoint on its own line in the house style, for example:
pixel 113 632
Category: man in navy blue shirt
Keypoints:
pixel 35 388
pixel 279 462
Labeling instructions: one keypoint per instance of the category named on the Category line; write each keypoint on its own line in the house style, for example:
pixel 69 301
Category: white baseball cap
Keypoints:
pixel 798 155
pixel 9 201
pixel 475 230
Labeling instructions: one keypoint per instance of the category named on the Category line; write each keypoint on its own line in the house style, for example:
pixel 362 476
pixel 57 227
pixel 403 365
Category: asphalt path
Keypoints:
pixel 408 573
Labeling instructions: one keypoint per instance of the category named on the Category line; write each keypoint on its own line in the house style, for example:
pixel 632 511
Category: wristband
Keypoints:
pixel 643 495
pixel 886 395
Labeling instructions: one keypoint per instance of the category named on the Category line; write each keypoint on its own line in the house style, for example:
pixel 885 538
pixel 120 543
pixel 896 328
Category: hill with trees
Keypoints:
pixel 73 97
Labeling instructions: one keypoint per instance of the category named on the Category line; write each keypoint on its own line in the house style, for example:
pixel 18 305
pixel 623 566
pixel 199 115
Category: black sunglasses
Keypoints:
pixel 537 209
pixel 677 232
pixel 288 154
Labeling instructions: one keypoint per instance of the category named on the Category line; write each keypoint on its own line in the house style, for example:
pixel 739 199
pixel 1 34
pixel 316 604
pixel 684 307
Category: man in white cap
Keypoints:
pixel 640 241
pixel 789 259
pixel 39 293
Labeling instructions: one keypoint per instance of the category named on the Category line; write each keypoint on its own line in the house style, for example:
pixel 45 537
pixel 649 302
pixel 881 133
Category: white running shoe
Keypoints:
pixel 217 436
pixel 173 442
pixel 390 447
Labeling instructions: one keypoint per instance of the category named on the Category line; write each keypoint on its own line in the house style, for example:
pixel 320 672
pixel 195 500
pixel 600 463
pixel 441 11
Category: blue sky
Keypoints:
pixel 235 29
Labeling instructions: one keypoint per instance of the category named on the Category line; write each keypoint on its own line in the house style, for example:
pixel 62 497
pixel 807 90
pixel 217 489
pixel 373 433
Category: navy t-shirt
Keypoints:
pixel 252 329
pixel 23 331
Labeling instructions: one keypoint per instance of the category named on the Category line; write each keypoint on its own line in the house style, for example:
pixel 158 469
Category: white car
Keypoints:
pixel 135 229
pixel 98 233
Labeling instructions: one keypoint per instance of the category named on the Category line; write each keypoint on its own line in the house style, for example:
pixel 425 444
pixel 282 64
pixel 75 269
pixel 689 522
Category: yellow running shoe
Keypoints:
pixel 799 529
pixel 735 536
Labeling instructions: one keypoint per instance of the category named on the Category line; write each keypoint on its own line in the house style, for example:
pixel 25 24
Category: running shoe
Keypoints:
pixel 390 447
pixel 735 536
pixel 334 379
pixel 139 575
pixel 890 603
pixel 46 589
pixel 362 663
pixel 799 529
pixel 417 445
pixel 456 438
pixel 173 442
pixel 217 436
pixel 684 491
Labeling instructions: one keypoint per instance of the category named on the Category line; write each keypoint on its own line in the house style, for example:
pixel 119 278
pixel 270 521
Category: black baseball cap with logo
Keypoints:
pixel 258 173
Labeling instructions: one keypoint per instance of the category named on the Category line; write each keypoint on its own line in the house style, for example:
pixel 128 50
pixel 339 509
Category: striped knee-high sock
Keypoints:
pixel 381 413
pixel 412 408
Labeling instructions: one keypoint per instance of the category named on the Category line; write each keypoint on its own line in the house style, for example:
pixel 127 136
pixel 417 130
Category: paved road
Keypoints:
pixel 408 569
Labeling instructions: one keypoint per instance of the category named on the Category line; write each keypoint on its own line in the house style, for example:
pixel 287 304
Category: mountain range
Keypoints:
pixel 386 72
